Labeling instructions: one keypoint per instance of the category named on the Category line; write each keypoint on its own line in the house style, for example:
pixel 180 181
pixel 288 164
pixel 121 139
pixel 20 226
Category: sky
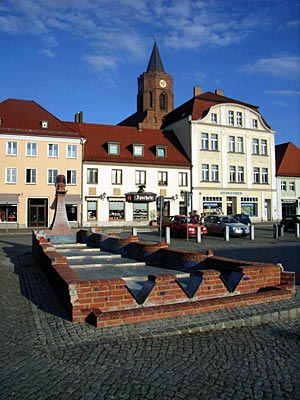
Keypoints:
pixel 86 55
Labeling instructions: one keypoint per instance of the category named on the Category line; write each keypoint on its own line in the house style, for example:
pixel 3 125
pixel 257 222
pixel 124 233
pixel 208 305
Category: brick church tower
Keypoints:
pixel 155 96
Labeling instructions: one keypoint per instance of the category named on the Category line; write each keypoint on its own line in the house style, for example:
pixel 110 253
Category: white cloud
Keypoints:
pixel 48 53
pixel 287 66
pixel 100 63
pixel 288 93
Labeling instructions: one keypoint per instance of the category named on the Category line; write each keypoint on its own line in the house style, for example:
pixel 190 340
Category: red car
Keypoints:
pixel 180 224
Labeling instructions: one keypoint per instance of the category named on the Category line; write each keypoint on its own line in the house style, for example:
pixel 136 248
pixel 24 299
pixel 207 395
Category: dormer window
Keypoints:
pixel 44 124
pixel 161 151
pixel 138 150
pixel 114 148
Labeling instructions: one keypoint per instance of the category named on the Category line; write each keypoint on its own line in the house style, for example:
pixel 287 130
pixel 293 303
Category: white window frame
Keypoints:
pixel 215 173
pixel 264 175
pixel 240 174
pixel 53 150
pixel 264 147
pixel 230 117
pixel 256 175
pixel 162 178
pixel 182 179
pixel 92 176
pixel 31 149
pixel 71 177
pixel 11 148
pixel 31 173
pixel 71 151
pixel 240 144
pixel 205 172
pixel 232 173
pixel 51 176
pixel 116 176
pixel 239 118
pixel 138 150
pixel 231 144
pixel 214 142
pixel 140 177
pixel 254 123
pixel 291 186
pixel 214 118
pixel 283 186
pixel 204 141
pixel 255 146
pixel 11 175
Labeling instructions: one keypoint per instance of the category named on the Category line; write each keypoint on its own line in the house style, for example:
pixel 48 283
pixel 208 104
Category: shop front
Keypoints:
pixel 140 204
pixel 9 208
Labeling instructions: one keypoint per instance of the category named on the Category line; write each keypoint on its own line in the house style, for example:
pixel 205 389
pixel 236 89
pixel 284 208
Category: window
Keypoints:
pixel 292 186
pixel 71 151
pixel 232 173
pixel 114 149
pixel 116 176
pixel 240 174
pixel 215 173
pixel 256 173
pixel 52 150
pixel 283 186
pixel 239 120
pixel 11 175
pixel 263 147
pixel 30 175
pixel 92 175
pixel 138 150
pixel 140 177
pixel 214 118
pixel 52 174
pixel 214 141
pixel 264 175
pixel 11 148
pixel 162 102
pixel 71 177
pixel 205 172
pixel 254 123
pixel 150 100
pixel 31 149
pixel 204 141
pixel 255 146
pixel 182 179
pixel 240 144
pixel 162 178
pixel 116 210
pixel 161 151
pixel 92 210
pixel 230 117
pixel 231 144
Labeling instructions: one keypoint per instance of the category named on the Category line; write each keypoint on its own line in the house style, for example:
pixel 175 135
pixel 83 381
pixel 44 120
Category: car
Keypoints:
pixel 289 222
pixel 181 225
pixel 243 218
pixel 216 224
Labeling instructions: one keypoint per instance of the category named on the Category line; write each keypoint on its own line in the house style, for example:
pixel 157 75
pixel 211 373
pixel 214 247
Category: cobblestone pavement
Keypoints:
pixel 44 356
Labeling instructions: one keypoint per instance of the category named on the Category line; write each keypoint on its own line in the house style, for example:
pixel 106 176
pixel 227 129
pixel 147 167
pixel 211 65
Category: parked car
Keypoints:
pixel 180 224
pixel 216 224
pixel 243 218
pixel 289 222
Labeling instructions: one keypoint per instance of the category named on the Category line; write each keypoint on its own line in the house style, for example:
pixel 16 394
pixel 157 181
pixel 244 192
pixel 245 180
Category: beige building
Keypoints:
pixel 232 151
pixel 35 147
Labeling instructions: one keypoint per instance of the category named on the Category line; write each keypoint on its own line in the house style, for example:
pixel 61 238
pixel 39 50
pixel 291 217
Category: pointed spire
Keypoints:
pixel 155 63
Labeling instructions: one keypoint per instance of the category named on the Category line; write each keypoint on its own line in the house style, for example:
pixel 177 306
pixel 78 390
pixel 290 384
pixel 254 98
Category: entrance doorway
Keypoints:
pixel 37 212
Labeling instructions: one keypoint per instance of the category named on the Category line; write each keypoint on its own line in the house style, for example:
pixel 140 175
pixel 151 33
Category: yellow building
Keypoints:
pixel 35 147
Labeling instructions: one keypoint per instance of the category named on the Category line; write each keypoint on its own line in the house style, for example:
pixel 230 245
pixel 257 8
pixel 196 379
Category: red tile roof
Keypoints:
pixel 199 106
pixel 98 136
pixel 25 116
pixel 287 159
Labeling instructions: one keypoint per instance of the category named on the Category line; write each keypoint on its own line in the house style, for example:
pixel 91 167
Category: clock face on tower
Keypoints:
pixel 162 83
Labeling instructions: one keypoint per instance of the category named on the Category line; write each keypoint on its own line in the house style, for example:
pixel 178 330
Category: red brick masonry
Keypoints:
pixel 107 302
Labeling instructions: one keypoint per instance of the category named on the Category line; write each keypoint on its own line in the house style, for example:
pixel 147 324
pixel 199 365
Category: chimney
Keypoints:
pixel 219 92
pixel 79 117
pixel 197 91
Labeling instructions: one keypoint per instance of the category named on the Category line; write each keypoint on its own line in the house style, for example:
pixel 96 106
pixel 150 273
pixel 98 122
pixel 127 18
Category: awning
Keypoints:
pixel 73 199
pixel 116 198
pixel 9 198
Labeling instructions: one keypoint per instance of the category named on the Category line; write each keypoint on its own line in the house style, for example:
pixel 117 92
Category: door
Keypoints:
pixel 37 212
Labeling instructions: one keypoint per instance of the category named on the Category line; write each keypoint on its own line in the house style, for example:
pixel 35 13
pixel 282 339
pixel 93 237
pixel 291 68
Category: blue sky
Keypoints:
pixel 86 55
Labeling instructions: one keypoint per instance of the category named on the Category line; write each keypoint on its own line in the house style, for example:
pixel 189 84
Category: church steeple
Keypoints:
pixel 155 63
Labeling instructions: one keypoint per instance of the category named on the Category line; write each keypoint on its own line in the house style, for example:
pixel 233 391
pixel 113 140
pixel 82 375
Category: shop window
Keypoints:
pixel 92 210
pixel 116 210
pixel 72 213
pixel 140 211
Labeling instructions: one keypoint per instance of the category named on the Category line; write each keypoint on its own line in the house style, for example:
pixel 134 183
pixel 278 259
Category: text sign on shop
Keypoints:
pixel 140 197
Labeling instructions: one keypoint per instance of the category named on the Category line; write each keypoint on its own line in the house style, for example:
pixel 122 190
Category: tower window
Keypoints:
pixel 162 102
pixel 150 100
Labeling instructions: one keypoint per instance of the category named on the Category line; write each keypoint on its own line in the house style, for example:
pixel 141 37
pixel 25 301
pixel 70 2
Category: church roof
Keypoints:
pixel 155 63
pixel 287 159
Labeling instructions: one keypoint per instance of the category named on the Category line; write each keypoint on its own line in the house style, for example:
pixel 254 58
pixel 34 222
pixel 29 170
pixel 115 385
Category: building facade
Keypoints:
pixel 35 147
pixel 232 150
pixel 288 179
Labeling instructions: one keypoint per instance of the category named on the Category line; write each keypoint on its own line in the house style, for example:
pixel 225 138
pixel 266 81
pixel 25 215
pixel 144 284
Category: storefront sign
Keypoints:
pixel 140 197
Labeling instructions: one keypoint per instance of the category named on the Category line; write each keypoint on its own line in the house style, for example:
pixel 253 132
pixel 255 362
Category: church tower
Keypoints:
pixel 155 96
